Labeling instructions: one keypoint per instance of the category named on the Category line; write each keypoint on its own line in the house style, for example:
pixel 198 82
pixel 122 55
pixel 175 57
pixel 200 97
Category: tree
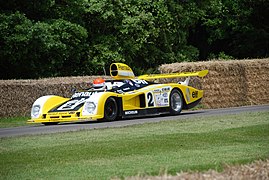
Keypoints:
pixel 141 33
pixel 15 35
pixel 76 37
pixel 237 28
pixel 32 50
pixel 33 10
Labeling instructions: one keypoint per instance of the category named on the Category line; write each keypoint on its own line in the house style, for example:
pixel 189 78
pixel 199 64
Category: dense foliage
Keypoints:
pixel 79 37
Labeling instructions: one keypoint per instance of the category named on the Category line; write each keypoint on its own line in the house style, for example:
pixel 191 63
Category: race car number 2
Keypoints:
pixel 150 100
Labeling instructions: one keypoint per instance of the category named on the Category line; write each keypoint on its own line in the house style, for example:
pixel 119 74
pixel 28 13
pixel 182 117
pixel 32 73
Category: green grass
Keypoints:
pixel 173 146
pixel 13 122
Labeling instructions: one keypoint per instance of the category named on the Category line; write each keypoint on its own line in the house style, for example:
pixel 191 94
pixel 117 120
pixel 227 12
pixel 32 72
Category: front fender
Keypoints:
pixel 46 103
pixel 100 99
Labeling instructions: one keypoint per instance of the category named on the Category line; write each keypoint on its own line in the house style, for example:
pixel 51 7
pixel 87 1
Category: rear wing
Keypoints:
pixel 173 75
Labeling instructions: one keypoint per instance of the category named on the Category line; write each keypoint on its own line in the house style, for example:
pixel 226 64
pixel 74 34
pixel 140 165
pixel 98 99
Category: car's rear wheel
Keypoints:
pixel 111 109
pixel 176 102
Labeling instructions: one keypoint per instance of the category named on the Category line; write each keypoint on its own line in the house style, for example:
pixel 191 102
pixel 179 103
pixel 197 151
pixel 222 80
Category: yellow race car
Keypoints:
pixel 121 97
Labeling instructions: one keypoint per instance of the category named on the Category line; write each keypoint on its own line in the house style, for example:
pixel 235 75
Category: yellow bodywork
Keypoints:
pixel 68 116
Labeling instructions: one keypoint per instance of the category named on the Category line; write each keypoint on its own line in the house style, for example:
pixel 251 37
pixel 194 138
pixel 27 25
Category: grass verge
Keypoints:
pixel 172 146
pixel 13 122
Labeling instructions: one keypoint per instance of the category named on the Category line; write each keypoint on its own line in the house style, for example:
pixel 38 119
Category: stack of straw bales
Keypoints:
pixel 229 83
pixel 17 96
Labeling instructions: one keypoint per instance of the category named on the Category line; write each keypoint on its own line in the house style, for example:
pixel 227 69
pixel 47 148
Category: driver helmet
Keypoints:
pixel 99 83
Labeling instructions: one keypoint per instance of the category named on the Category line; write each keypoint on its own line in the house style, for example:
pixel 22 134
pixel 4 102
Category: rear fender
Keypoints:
pixel 190 94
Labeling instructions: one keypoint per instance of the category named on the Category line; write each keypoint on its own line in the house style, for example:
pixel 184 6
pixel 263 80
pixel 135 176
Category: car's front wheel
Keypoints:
pixel 111 109
pixel 176 102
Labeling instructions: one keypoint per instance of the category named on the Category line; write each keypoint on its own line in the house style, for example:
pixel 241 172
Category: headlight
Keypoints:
pixel 90 107
pixel 35 111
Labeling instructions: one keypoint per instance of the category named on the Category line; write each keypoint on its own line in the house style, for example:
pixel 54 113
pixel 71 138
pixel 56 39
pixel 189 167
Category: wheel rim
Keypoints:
pixel 176 102
pixel 110 109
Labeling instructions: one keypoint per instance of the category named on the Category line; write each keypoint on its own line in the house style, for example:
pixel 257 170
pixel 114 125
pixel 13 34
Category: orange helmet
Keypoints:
pixel 99 83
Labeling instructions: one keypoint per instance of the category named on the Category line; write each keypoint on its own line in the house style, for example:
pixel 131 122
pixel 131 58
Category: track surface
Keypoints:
pixel 41 129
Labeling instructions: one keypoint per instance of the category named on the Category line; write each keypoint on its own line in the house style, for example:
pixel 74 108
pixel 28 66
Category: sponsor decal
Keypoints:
pixel 126 89
pixel 72 104
pixel 195 94
pixel 139 81
pixel 161 101
pixel 51 114
pixel 124 68
pixel 128 82
pixel 165 101
pixel 165 94
pixel 138 85
pixel 158 98
pixel 188 94
pixel 131 112
pixel 82 94
pixel 157 90
pixel 120 91
pixel 58 113
pixel 125 73
pixel 165 89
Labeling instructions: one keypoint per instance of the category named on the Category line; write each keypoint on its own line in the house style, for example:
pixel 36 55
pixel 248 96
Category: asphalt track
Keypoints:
pixel 67 127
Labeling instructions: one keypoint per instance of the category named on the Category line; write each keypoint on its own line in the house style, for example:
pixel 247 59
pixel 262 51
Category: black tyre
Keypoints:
pixel 176 102
pixel 111 109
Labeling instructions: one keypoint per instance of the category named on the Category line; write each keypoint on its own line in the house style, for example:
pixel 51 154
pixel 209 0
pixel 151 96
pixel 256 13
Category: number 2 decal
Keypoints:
pixel 150 99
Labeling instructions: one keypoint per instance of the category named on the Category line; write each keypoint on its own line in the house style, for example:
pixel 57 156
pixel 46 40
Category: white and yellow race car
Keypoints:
pixel 121 97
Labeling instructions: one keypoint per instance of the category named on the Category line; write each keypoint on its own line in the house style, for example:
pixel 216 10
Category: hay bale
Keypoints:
pixel 229 83
pixel 17 96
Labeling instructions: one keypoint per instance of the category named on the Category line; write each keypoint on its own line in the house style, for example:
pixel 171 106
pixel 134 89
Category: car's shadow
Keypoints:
pixel 184 113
